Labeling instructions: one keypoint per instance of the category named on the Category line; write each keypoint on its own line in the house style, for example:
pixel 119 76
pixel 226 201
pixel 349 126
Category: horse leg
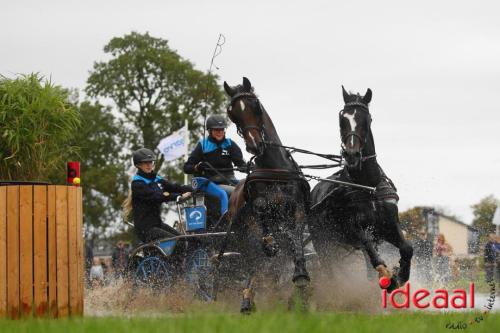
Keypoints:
pixel 301 279
pixel 393 235
pixel 247 302
pixel 251 261
pixel 370 273
pixel 369 247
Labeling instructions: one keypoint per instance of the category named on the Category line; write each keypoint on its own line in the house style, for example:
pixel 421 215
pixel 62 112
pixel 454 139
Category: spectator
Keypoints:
pixel 108 270
pixel 492 259
pixel 96 273
pixel 120 260
pixel 442 253
pixel 89 255
pixel 423 258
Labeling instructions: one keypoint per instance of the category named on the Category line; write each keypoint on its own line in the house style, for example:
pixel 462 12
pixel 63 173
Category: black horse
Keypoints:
pixel 357 217
pixel 268 208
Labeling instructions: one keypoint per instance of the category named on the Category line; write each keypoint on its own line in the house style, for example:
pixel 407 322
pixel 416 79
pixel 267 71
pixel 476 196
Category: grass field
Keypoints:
pixel 277 322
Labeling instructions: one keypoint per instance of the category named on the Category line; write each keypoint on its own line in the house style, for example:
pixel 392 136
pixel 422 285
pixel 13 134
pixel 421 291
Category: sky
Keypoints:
pixel 433 66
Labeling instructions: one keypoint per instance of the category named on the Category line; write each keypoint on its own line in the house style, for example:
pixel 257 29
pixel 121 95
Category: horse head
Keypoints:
pixel 355 121
pixel 246 112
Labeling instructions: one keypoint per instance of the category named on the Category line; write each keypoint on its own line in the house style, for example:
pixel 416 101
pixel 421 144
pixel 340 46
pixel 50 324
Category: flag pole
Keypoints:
pixel 186 138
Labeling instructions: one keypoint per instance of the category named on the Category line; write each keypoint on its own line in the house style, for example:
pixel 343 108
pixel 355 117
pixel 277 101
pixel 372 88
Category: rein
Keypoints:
pixel 331 157
pixel 286 175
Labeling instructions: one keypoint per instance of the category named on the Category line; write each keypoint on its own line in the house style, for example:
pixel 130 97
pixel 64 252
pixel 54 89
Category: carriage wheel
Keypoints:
pixel 199 274
pixel 153 272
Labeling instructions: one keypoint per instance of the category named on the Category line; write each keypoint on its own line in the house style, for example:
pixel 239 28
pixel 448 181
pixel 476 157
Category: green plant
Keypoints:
pixel 36 124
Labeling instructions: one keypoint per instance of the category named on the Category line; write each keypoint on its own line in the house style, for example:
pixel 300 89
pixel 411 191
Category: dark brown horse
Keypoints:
pixel 267 209
pixel 346 215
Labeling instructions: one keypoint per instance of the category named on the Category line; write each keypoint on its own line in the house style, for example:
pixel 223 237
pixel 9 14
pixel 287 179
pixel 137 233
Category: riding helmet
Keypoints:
pixel 143 155
pixel 216 121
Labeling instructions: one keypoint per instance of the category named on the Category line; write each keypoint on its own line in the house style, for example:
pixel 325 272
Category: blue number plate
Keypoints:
pixel 196 218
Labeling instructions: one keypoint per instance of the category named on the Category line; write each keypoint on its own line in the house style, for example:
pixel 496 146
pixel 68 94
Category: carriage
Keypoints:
pixel 189 257
pixel 273 205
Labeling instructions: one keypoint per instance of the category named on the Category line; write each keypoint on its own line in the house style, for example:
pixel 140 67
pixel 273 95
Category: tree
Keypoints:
pixel 413 221
pixel 483 213
pixel 104 180
pixel 36 123
pixel 153 88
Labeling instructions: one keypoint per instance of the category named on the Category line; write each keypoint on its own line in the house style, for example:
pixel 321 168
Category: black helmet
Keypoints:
pixel 216 121
pixel 143 155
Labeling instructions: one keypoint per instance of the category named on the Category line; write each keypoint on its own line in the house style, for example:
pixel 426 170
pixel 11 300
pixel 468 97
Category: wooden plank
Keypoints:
pixel 13 251
pixel 72 251
pixel 40 250
pixel 62 250
pixel 3 251
pixel 26 249
pixel 81 251
pixel 52 250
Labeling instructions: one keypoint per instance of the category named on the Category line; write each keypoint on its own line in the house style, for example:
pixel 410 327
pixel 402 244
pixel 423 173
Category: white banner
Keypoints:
pixel 175 145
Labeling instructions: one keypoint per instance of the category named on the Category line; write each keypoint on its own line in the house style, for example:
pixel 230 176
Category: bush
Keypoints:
pixel 37 124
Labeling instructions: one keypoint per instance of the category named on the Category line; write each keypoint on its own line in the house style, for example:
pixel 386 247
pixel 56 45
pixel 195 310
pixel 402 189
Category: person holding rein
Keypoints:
pixel 148 192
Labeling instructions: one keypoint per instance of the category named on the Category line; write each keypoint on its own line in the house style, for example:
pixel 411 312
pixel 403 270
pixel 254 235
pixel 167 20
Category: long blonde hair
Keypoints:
pixel 127 206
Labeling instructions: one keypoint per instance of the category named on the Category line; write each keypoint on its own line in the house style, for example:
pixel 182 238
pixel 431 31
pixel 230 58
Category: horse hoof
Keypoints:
pixel 299 300
pixel 246 306
pixel 394 285
pixel 301 281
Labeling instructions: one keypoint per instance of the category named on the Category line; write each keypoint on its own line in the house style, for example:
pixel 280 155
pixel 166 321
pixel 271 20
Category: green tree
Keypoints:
pixel 104 180
pixel 36 123
pixel 153 88
pixel 413 221
pixel 483 213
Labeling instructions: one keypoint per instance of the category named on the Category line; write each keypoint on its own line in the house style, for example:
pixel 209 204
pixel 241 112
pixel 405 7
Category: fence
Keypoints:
pixel 41 251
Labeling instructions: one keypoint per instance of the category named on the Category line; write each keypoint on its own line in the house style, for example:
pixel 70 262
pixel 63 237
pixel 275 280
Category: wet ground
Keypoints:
pixel 344 289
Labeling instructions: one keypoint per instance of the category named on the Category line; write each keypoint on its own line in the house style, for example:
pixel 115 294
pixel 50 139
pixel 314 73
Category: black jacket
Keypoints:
pixel 490 252
pixel 221 155
pixel 147 199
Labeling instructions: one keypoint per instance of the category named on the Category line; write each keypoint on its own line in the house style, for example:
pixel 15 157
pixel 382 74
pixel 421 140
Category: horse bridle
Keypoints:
pixel 364 108
pixel 241 130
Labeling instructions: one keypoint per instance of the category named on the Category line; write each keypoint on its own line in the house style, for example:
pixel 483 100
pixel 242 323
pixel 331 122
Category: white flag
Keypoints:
pixel 174 145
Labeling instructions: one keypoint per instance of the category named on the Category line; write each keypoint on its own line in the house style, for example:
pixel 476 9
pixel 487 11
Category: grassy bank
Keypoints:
pixel 260 322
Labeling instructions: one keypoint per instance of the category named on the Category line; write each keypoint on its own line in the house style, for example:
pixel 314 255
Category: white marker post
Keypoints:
pixel 186 137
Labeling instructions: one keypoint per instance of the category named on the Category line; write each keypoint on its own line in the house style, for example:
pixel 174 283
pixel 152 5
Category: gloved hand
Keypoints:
pixel 200 167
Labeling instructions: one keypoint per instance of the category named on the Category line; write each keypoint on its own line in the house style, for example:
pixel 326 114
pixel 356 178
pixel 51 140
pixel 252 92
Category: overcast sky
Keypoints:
pixel 433 66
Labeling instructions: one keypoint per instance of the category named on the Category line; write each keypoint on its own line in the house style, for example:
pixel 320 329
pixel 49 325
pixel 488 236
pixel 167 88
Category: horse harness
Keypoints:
pixel 363 108
pixel 385 191
pixel 241 130
pixel 262 178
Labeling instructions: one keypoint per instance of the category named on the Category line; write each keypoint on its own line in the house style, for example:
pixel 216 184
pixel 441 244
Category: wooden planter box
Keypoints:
pixel 41 251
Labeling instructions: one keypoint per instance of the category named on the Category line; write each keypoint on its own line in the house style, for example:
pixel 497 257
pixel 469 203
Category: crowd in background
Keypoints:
pixel 492 259
pixel 433 261
pixel 100 271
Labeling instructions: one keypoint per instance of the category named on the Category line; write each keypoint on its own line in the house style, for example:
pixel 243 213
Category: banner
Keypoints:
pixel 175 145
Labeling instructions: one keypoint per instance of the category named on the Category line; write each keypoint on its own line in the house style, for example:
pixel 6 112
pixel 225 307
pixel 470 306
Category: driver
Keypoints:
pixel 213 159
pixel 149 191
